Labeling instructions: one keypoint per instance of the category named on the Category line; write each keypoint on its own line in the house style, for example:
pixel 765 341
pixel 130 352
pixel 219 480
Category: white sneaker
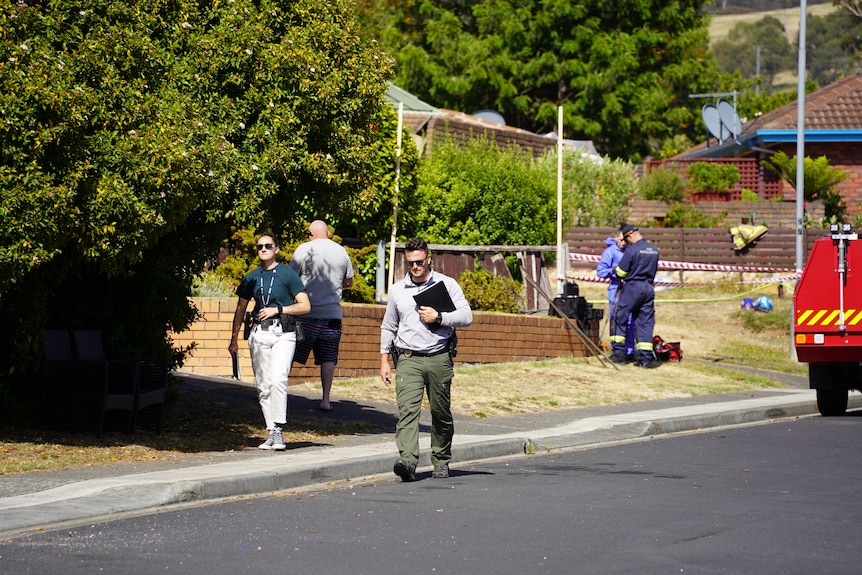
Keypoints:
pixel 277 440
pixel 269 443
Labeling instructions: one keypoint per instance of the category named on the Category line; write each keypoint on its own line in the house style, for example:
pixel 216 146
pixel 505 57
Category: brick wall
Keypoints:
pixel 841 156
pixel 493 338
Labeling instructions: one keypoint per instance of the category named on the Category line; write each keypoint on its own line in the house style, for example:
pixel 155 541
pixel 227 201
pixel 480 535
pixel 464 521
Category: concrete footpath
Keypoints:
pixel 47 500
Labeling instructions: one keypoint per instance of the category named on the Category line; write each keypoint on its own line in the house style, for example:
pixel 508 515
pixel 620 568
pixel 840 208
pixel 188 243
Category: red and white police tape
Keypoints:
pixel 672 265
pixel 690 266
pixel 662 283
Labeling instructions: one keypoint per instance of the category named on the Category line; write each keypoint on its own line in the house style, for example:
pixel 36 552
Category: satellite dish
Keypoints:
pixel 490 116
pixel 710 116
pixel 729 119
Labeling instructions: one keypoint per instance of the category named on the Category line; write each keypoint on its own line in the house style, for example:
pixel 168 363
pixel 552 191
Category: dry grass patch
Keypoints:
pixel 720 26
pixel 534 387
pixel 706 320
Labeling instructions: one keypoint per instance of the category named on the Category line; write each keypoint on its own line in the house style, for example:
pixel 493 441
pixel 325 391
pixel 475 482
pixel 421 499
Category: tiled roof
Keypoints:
pixel 836 106
pixel 421 116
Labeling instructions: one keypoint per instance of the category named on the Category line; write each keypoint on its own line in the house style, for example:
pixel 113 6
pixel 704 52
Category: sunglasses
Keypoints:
pixel 421 262
pixel 264 247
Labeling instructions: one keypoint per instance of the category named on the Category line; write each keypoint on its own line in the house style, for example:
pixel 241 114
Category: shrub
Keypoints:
pixel 488 292
pixel 595 193
pixel 820 181
pixel 711 176
pixel 208 284
pixel 688 216
pixel 364 279
pixel 481 194
pixel 749 196
pixel 222 280
pixel 662 184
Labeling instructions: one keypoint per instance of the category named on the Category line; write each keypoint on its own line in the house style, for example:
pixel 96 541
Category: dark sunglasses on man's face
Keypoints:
pixel 264 246
pixel 421 262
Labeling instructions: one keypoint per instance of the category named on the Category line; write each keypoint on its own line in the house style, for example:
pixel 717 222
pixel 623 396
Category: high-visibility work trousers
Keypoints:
pixel 637 299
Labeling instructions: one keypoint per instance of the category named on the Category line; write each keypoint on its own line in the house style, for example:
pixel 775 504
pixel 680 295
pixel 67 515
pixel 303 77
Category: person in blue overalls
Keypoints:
pixel 636 297
pixel 607 264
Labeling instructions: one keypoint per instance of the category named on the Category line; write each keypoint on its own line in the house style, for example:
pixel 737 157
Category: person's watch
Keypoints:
pixel 439 320
pixel 280 310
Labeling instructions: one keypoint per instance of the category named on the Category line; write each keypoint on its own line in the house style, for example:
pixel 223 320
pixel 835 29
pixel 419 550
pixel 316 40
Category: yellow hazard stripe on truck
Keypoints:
pixel 826 317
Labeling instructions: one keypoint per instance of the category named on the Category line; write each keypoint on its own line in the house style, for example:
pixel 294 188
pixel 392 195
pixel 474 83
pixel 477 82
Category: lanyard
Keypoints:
pixel 265 302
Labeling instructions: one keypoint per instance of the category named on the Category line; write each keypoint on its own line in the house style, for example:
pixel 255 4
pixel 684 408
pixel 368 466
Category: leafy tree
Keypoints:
pixel 622 71
pixel 833 44
pixel 750 104
pixel 853 6
pixel 137 134
pixel 367 215
pixel 739 50
pixel 820 181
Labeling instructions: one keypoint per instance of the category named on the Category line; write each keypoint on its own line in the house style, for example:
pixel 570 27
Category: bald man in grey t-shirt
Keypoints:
pixel 325 269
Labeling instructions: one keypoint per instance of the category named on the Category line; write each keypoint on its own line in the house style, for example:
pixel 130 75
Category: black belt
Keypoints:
pixel 411 353
pixel 264 325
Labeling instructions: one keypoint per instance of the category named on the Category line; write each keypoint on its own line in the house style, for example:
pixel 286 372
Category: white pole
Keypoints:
pixel 561 270
pixel 800 155
pixel 800 137
pixel 394 235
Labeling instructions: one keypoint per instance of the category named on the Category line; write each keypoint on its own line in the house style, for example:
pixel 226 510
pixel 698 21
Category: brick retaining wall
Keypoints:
pixel 493 338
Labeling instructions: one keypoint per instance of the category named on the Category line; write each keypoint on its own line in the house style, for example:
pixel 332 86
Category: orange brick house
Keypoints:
pixel 833 128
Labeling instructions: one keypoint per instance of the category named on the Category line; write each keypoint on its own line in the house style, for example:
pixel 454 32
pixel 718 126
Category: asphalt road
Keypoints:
pixel 782 497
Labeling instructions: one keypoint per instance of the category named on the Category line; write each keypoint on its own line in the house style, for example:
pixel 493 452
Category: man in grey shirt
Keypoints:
pixel 419 338
pixel 325 269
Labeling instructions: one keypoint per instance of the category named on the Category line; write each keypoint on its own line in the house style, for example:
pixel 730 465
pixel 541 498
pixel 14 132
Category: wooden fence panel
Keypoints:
pixel 702 245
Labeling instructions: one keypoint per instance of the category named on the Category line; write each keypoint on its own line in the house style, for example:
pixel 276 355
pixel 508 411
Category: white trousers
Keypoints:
pixel 271 356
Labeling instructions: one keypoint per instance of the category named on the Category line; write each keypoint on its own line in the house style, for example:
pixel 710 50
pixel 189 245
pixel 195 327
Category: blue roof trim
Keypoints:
pixel 787 136
pixel 733 148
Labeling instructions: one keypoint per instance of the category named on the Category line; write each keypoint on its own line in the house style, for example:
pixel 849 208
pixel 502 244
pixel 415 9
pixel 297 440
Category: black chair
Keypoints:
pixel 118 410
pixel 150 399
pixel 78 394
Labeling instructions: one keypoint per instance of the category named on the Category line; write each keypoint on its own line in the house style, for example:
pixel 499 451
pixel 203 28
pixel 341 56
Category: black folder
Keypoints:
pixel 436 296
pixel 235 361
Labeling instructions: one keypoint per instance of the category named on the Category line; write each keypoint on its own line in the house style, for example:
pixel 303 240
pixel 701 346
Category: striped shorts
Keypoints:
pixel 321 336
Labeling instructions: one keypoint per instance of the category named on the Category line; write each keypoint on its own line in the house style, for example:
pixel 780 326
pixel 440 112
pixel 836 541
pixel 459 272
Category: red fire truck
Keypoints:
pixel 827 308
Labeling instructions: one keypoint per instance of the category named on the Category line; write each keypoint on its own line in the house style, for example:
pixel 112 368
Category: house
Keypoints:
pixel 428 122
pixel 833 128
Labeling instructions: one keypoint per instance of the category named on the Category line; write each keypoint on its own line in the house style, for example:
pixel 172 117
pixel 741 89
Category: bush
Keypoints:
pixel 135 137
pixel 222 280
pixel 711 176
pixel 481 194
pixel 595 193
pixel 364 279
pixel 688 216
pixel 209 284
pixel 749 196
pixel 662 184
pixel 488 292
pixel 820 181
